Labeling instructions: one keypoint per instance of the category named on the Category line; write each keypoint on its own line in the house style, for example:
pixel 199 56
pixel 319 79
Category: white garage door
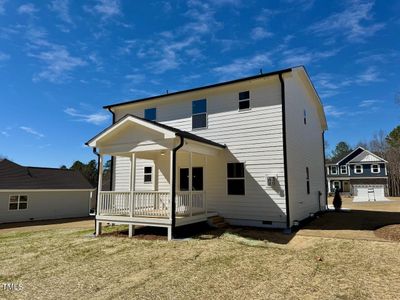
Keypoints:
pixel 369 192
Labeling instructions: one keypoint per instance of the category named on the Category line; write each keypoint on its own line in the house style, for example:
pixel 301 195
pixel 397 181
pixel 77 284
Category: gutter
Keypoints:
pixel 173 184
pixel 112 157
pixel 283 97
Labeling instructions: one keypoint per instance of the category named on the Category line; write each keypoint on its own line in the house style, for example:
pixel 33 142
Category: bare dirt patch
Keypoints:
pixel 390 232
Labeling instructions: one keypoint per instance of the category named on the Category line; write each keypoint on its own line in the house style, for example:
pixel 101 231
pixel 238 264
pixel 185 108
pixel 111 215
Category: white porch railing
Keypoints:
pixel 149 204
pixel 189 204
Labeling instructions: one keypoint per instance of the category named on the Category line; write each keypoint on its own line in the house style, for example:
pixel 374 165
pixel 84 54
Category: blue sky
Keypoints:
pixel 61 61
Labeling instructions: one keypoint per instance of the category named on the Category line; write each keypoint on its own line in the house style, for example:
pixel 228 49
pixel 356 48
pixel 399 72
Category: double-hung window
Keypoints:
pixel 199 114
pixel 244 100
pixel 150 114
pixel 236 179
pixel 334 170
pixel 358 169
pixel 18 202
pixel 148 174
pixel 343 169
pixel 375 169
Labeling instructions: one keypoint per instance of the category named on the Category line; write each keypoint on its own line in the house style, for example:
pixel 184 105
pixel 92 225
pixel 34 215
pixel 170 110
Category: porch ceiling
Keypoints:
pixel 134 134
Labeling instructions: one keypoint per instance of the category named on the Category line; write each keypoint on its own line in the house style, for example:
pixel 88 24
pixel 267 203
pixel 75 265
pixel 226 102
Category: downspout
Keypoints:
pixel 173 183
pixel 285 161
pixel 326 177
pixel 112 157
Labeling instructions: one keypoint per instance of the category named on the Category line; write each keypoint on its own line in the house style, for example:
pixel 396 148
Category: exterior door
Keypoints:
pixel 346 186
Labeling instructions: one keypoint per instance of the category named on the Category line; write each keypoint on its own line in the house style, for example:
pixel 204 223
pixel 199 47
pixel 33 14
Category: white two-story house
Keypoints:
pixel 250 150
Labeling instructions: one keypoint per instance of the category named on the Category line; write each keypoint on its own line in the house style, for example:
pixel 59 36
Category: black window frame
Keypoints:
pixel 146 175
pixel 147 110
pixel 308 180
pixel 19 204
pixel 244 98
pixel 198 115
pixel 235 179
pixel 184 179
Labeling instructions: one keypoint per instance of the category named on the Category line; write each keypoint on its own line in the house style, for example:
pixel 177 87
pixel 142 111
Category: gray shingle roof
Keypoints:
pixel 14 177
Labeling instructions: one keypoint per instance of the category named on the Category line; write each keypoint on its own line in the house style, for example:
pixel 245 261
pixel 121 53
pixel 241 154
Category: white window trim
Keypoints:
pixel 236 178
pixel 242 100
pixel 334 168
pixel 144 175
pixel 341 169
pixel 372 168
pixel 355 169
pixel 18 202
pixel 203 113
pixel 333 184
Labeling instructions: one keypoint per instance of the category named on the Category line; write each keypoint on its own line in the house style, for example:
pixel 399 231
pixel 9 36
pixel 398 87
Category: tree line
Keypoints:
pixel 90 170
pixel 385 146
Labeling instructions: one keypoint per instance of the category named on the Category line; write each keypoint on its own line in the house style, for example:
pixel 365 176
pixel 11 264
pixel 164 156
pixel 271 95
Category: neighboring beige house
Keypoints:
pixel 250 150
pixel 32 193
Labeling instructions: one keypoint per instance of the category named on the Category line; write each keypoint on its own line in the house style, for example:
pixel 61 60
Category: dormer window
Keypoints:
pixel 358 169
pixel 244 100
pixel 334 170
pixel 343 169
pixel 375 169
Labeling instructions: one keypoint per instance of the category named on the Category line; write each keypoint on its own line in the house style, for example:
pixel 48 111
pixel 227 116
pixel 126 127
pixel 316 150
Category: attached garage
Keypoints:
pixel 369 192
pixel 31 193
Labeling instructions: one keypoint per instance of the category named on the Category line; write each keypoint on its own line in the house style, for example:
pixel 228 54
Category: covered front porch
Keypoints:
pixel 160 175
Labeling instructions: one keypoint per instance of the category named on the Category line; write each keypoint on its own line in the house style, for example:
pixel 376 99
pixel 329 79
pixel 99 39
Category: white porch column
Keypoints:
pixel 191 183
pixel 99 187
pixel 329 185
pixel 171 163
pixel 132 184
pixel 131 230
pixel 205 183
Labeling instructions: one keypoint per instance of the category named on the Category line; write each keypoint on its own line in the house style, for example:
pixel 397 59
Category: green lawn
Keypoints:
pixel 67 264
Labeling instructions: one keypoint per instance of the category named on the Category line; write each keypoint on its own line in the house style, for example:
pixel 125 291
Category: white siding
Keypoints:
pixel 46 205
pixel 304 149
pixel 253 137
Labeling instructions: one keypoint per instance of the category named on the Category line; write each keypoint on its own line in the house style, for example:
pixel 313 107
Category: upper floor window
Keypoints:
pixel 358 169
pixel 244 100
pixel 334 170
pixel 236 180
pixel 343 169
pixel 375 169
pixel 199 114
pixel 148 174
pixel 305 117
pixel 18 202
pixel 150 114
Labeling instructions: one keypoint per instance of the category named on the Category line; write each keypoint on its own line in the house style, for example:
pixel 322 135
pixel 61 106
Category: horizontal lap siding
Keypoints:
pixel 253 137
pixel 305 149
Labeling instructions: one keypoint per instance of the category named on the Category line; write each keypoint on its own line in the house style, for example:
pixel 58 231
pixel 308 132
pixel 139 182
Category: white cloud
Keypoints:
pixel 5 133
pixel 351 22
pixel 265 15
pixel 243 66
pixel 31 131
pixel 202 16
pixel 4 56
pixel 105 8
pixel 369 75
pixel 259 33
pixel 28 9
pixel 61 7
pixel 93 118
pixel 332 111
pixel 303 5
pixel 136 78
pixel 304 56
pixel 368 103
pixel 58 63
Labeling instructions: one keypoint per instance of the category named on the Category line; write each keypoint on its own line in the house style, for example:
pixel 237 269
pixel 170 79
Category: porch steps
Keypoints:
pixel 217 222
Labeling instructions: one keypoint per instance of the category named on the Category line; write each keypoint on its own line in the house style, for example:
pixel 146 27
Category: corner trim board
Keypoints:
pixel 285 166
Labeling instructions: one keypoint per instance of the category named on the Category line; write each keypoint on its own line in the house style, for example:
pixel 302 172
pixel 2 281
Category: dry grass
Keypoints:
pixel 67 264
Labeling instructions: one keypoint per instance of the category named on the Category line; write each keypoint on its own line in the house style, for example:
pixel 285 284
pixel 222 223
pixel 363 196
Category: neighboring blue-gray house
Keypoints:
pixel 360 173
